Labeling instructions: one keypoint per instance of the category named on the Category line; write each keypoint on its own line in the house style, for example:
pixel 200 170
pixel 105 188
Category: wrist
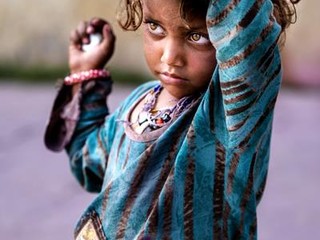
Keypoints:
pixel 82 76
pixel 76 70
pixel 76 67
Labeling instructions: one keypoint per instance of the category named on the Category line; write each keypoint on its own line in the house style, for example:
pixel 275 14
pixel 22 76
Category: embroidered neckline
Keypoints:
pixel 150 119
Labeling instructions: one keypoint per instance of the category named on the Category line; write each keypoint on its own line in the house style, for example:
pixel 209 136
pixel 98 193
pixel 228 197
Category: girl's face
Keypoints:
pixel 177 52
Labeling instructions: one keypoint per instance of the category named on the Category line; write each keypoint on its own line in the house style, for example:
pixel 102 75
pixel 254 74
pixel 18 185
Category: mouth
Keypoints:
pixel 171 78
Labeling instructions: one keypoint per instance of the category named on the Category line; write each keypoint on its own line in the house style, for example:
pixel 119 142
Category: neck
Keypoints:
pixel 165 99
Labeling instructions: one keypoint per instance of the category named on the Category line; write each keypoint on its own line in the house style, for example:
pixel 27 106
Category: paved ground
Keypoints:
pixel 39 199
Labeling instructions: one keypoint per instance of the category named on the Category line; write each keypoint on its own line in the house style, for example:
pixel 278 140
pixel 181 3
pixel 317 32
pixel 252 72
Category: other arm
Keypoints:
pixel 80 110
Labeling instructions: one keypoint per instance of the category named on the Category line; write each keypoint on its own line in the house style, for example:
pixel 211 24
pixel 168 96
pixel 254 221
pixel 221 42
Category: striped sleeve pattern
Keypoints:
pixel 87 166
pixel 201 178
pixel 245 35
pixel 243 95
pixel 95 134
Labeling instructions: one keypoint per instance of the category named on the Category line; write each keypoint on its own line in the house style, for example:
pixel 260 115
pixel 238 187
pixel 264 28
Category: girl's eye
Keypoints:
pixel 195 37
pixel 155 28
pixel 199 38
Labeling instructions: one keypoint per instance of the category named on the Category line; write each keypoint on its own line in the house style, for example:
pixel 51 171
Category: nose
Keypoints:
pixel 172 53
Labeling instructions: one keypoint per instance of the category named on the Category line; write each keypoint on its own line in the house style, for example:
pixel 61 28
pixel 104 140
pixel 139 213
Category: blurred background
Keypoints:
pixel 39 199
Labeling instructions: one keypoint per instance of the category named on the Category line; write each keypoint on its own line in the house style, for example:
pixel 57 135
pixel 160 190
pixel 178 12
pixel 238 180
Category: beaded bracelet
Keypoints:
pixel 86 75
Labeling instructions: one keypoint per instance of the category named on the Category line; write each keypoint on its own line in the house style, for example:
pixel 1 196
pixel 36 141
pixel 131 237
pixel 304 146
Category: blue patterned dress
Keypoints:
pixel 202 176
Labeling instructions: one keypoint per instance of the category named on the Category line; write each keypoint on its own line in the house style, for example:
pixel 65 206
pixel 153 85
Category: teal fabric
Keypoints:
pixel 203 177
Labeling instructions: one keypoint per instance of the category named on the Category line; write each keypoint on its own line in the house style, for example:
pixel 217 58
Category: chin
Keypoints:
pixel 177 92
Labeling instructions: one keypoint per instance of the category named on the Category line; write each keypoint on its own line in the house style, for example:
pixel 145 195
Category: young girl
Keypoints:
pixel 186 156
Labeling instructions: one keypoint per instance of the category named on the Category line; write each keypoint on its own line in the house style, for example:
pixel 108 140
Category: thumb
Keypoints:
pixel 108 41
pixel 74 49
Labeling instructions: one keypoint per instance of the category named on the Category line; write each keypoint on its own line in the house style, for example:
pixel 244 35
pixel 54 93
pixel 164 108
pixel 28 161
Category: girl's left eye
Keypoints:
pixel 199 38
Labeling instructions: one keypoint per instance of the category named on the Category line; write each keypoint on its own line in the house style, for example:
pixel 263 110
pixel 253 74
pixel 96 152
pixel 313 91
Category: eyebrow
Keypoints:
pixel 148 15
pixel 196 28
pixel 186 26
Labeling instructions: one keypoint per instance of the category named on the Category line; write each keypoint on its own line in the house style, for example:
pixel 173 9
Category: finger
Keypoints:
pixel 82 32
pixel 98 21
pixel 107 32
pixel 108 41
pixel 81 28
pixel 97 24
pixel 75 39
pixel 91 29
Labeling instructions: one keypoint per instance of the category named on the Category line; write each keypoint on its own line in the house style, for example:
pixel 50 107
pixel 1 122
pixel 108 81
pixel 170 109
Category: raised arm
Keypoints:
pixel 78 118
pixel 245 35
pixel 242 96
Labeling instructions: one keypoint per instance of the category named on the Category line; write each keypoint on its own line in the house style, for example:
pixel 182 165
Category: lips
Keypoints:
pixel 171 78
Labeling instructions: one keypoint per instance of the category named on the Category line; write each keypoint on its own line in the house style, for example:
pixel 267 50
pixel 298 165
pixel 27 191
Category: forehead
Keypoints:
pixel 158 7
pixel 170 10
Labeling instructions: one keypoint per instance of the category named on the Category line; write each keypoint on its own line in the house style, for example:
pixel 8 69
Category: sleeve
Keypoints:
pixel 242 95
pixel 245 35
pixel 80 125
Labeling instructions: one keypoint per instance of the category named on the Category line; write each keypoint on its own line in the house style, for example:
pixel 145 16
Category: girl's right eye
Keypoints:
pixel 155 28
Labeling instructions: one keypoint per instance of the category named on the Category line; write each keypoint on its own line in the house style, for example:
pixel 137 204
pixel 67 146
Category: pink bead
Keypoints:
pixel 85 75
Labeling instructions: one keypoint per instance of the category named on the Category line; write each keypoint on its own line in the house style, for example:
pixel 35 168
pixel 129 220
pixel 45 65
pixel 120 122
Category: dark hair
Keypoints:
pixel 130 14
pixel 286 14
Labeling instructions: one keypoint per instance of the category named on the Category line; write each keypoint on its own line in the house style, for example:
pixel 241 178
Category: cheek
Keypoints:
pixel 150 52
pixel 203 67
pixel 210 65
